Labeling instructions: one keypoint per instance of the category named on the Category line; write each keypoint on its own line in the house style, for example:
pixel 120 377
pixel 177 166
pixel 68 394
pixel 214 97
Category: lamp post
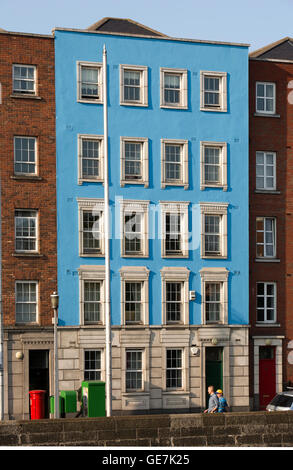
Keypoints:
pixel 54 304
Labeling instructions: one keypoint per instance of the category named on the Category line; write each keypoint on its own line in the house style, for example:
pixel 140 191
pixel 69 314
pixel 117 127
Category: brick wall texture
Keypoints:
pixel 273 134
pixel 35 117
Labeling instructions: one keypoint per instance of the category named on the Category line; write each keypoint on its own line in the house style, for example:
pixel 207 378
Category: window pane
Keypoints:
pixel 174 368
pixel 131 85
pixel 133 370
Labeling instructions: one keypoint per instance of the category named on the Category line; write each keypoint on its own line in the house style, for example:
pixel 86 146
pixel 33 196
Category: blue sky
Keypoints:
pixel 256 22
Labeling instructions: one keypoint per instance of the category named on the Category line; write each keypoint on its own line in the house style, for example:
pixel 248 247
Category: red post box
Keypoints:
pixel 37 404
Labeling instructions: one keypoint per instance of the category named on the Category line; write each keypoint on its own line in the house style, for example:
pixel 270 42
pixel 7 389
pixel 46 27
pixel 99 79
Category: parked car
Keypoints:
pixel 281 402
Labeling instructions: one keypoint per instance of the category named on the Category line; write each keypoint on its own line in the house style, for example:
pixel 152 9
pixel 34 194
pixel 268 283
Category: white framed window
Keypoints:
pixel 214 292
pixel 133 85
pixel 25 155
pixel 174 162
pixel 91 227
pixel 91 294
pixel 175 295
pixel 26 231
pixel 174 229
pixel 173 88
pixel 266 171
pixel 134 161
pixel 213 91
pixel 90 158
pixel 174 369
pixel 265 99
pixel 134 228
pixel 134 370
pixel 26 301
pixel 265 237
pixel 266 299
pixel 134 295
pixel 24 79
pixel 90 82
pixel 92 364
pixel 213 165
pixel 214 230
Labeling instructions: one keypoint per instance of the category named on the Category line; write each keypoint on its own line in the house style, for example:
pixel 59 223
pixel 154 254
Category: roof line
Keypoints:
pixel 101 22
pixel 267 48
pixel 46 36
pixel 165 38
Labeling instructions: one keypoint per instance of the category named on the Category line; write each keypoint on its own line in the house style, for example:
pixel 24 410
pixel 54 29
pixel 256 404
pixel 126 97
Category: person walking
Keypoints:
pixel 223 405
pixel 213 401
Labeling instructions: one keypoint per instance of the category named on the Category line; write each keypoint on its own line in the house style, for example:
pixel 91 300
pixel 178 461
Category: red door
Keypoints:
pixel 267 375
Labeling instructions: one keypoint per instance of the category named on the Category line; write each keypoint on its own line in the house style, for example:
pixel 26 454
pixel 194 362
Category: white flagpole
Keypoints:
pixel 107 245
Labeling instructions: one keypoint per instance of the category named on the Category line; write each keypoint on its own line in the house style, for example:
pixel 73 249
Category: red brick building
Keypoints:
pixel 271 221
pixel 28 215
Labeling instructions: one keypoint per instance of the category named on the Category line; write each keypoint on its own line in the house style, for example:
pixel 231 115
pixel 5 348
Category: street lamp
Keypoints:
pixel 54 304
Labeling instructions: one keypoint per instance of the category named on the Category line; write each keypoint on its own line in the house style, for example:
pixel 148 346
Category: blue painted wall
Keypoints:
pixel 155 123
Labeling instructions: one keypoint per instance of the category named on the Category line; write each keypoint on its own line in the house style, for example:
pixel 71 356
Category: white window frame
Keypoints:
pixel 265 165
pixel 34 80
pixel 101 370
pixel 142 370
pixel 223 183
pixel 170 389
pixel 265 112
pixel 265 296
pixel 87 205
pixel 36 283
pixel 180 275
pixel 265 243
pixel 181 208
pixel 220 210
pixel 183 104
pixel 36 163
pixel 94 273
pixel 219 276
pixel 100 140
pixel 144 143
pixel 99 67
pixel 36 238
pixel 183 163
pixel 143 70
pixel 222 76
pixel 142 208
pixel 138 274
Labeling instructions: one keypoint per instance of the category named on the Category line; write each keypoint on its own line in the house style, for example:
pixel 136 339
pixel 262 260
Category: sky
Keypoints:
pixel 254 22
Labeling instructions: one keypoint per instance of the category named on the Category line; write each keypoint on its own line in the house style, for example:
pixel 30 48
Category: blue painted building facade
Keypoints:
pixel 178 185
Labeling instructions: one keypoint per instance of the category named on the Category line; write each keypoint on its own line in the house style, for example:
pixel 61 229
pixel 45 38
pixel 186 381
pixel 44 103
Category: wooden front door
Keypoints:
pixel 267 375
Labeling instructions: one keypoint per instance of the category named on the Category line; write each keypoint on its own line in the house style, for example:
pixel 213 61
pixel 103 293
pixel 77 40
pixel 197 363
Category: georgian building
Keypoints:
pixel 178 188
pixel 271 202
pixel 28 216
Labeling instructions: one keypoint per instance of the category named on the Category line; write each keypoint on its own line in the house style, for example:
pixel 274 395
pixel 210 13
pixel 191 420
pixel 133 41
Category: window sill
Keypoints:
pixel 223 187
pixel 28 96
pixel 90 255
pixel 26 177
pixel 266 191
pixel 267 260
pixel 133 103
pixel 27 255
pixel 178 184
pixel 125 182
pixel 136 255
pixel 166 106
pixel 214 110
pixel 213 257
pixel 97 180
pixel 97 101
pixel 267 115
pixel 267 325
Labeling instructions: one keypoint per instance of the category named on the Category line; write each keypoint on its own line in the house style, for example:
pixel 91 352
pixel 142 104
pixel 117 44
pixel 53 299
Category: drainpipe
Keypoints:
pixel 107 244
